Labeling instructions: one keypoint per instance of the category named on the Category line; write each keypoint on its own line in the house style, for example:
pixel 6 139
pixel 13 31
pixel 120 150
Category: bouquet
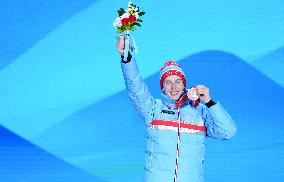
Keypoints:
pixel 128 19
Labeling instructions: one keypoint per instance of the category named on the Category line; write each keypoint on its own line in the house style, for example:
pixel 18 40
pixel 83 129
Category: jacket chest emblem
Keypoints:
pixel 168 112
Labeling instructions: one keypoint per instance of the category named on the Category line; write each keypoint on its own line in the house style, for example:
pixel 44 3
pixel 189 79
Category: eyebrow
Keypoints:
pixel 174 80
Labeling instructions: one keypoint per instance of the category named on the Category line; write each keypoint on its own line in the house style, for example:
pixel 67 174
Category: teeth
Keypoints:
pixel 174 93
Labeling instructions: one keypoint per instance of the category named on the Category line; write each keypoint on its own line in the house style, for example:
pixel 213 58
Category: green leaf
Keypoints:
pixel 139 20
pixel 135 23
pixel 141 13
pixel 121 11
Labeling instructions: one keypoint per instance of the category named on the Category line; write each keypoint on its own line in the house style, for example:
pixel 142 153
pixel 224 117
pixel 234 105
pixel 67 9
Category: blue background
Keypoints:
pixel 64 111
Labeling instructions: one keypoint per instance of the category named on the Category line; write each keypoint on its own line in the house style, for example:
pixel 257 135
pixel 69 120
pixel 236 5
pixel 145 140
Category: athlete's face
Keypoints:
pixel 173 87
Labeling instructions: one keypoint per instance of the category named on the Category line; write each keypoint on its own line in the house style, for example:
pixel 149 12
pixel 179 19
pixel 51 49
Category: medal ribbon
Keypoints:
pixel 177 105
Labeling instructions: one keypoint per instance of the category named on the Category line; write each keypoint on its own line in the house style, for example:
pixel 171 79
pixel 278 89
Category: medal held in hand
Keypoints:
pixel 127 21
pixel 193 96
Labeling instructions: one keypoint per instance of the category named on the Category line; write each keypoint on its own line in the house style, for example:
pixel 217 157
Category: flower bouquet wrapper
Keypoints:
pixel 126 44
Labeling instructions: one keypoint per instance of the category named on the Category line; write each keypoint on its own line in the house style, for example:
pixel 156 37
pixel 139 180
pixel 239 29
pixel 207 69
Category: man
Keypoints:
pixel 176 127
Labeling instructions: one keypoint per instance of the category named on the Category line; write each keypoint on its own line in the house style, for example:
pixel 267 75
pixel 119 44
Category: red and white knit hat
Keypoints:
pixel 171 68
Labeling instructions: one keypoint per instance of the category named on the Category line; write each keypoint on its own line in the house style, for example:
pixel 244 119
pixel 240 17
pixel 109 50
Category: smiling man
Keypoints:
pixel 176 125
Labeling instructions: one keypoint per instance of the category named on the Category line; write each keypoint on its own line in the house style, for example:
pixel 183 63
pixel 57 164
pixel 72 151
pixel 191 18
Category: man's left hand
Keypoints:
pixel 203 93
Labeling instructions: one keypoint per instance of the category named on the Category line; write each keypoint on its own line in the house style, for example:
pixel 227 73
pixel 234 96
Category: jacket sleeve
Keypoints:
pixel 218 122
pixel 137 89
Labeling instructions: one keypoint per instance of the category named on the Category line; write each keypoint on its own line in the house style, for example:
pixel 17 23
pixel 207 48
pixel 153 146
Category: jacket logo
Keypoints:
pixel 168 112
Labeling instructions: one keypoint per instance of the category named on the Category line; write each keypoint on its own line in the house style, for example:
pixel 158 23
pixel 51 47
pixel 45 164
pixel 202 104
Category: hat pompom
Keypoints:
pixel 170 63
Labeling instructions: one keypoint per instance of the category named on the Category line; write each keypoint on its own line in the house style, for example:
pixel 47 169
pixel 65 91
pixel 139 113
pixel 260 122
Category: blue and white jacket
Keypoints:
pixel 162 124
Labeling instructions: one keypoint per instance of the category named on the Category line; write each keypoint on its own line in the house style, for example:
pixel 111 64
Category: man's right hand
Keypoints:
pixel 120 45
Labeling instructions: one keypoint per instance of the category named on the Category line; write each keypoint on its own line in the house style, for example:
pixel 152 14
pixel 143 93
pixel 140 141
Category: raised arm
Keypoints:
pixel 137 89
